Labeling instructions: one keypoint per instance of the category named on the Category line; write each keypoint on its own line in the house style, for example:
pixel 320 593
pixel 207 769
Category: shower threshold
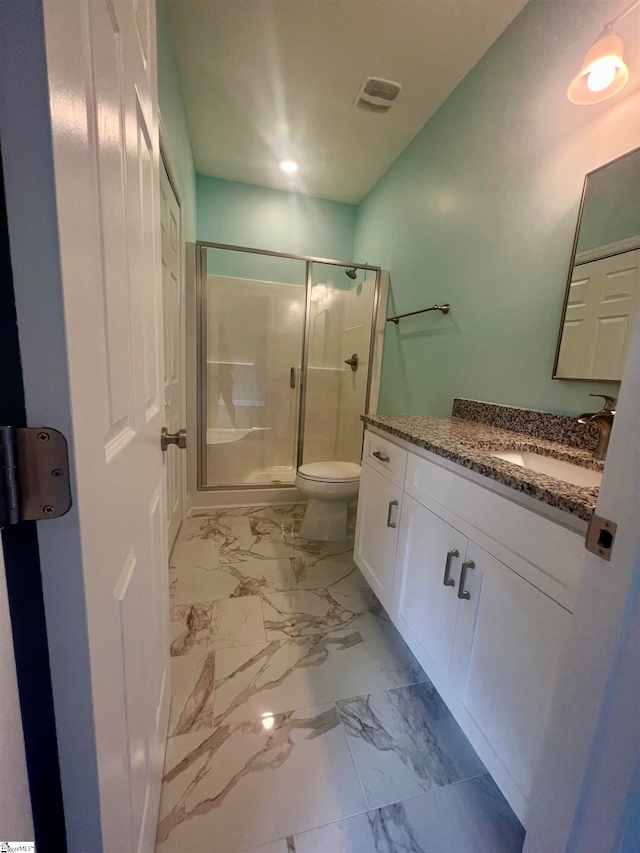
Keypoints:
pixel 275 474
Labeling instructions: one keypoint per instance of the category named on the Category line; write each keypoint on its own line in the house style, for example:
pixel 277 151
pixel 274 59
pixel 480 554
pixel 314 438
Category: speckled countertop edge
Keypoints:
pixel 467 443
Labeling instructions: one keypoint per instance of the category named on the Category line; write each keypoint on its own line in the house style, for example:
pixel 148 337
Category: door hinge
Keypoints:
pixel 601 535
pixel 34 474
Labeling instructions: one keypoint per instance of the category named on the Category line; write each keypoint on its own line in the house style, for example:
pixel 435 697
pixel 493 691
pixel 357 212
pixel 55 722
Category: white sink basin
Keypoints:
pixel 557 468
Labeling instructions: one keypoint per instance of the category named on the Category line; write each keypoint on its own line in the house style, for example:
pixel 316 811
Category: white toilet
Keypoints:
pixel 330 486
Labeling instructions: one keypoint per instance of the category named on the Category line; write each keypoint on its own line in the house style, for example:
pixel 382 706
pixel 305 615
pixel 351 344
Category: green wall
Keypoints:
pixel 480 211
pixel 174 119
pixel 245 215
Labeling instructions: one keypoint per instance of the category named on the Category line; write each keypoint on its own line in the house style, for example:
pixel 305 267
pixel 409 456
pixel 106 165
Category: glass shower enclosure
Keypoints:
pixel 285 347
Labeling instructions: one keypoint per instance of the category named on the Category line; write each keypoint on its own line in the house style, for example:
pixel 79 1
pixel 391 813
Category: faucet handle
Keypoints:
pixel 609 402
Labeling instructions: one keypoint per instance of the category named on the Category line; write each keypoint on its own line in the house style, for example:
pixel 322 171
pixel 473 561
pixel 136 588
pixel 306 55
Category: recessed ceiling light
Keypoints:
pixel 289 166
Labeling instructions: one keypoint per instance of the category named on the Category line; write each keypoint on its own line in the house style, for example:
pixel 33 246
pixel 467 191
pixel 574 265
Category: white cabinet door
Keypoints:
pixel 379 505
pixel 425 598
pixel 507 646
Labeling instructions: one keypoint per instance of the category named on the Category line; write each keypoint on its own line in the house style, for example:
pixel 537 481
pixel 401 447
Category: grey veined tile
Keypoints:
pixel 216 625
pixel 192 684
pixel 255 782
pixel 232 579
pixel 405 742
pixel 390 651
pixel 284 845
pixel 469 817
pixel 302 612
pixel 283 675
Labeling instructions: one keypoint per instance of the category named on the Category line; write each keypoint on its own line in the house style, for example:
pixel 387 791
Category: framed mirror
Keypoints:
pixel 601 299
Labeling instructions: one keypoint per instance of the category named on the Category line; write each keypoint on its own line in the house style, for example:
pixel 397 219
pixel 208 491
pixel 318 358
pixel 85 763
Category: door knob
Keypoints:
pixel 353 361
pixel 178 438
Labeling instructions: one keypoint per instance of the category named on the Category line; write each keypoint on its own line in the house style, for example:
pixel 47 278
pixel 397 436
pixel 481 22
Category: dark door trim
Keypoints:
pixel 24 586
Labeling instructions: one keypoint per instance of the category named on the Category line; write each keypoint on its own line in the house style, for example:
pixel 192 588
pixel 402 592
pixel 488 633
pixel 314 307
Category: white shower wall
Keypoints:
pixel 340 325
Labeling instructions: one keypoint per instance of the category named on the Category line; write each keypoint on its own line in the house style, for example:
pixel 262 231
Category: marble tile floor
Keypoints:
pixel 300 721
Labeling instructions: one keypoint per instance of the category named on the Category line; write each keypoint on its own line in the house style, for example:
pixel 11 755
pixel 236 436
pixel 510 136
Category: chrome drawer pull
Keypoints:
pixel 380 456
pixel 462 592
pixel 449 581
pixel 391 506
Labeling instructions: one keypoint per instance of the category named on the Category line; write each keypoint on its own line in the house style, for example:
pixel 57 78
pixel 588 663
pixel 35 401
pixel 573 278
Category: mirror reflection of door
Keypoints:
pixel 603 299
pixel 603 291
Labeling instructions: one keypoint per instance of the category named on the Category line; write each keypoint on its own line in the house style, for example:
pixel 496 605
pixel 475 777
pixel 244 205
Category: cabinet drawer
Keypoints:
pixel 385 457
pixel 546 554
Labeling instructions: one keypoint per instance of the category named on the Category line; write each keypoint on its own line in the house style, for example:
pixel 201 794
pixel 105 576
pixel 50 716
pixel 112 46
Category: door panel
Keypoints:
pixel 424 606
pixel 251 352
pixel 104 52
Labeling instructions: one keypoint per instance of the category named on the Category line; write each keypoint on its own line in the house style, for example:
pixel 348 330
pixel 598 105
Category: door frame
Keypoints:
pixel 165 160
pixel 20 563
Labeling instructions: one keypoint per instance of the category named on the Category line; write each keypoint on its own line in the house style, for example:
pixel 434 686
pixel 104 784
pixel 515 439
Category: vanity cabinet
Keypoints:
pixel 505 659
pixel 425 601
pixel 379 506
pixel 491 641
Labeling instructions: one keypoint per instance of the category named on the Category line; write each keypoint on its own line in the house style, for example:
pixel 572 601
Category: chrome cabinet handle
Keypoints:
pixel 292 377
pixel 449 581
pixel 462 592
pixel 381 456
pixel 391 506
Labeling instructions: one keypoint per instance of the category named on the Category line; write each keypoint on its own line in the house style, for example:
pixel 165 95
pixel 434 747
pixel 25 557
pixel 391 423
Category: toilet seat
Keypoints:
pixel 330 472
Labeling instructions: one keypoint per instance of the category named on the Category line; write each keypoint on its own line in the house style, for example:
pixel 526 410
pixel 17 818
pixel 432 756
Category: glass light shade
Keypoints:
pixel 289 166
pixel 603 73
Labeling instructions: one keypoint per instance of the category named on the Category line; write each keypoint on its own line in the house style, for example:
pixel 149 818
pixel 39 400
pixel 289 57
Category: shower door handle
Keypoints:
pixel 293 374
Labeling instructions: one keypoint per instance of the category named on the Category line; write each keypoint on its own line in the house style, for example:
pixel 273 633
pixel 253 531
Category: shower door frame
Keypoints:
pixel 201 324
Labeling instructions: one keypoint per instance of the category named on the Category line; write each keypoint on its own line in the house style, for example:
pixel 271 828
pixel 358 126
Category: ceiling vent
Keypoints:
pixel 377 95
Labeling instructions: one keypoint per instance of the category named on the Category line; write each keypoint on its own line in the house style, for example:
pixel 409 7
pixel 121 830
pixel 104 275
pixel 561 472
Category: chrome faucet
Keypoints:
pixel 604 421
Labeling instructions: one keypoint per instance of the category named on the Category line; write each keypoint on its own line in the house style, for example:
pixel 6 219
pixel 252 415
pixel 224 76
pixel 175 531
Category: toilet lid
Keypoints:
pixel 330 472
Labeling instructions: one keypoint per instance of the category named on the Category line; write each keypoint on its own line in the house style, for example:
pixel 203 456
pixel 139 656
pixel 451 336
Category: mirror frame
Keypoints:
pixel 570 275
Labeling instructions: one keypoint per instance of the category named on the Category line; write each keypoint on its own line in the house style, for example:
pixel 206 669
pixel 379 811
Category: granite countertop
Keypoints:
pixel 468 443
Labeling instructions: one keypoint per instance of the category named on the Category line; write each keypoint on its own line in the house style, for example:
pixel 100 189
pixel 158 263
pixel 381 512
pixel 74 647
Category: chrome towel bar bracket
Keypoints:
pixel 444 308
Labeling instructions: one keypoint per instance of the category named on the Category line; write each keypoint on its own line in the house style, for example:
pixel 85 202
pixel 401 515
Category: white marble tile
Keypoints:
pixel 216 625
pixel 283 675
pixel 231 579
pixel 191 553
pixel 285 845
pixel 192 683
pixel 390 651
pixel 469 817
pixel 405 742
pixel 310 611
pixel 255 782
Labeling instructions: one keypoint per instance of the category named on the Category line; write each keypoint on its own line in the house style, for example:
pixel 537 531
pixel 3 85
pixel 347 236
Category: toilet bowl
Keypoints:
pixel 330 486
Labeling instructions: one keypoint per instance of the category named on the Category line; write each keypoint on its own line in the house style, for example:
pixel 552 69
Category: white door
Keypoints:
pixel 379 507
pixel 173 301
pixel 89 299
pixel 426 586
pixel 603 303
pixel 15 803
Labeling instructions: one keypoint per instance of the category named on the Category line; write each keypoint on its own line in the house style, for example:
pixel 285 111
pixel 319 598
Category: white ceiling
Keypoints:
pixel 268 79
